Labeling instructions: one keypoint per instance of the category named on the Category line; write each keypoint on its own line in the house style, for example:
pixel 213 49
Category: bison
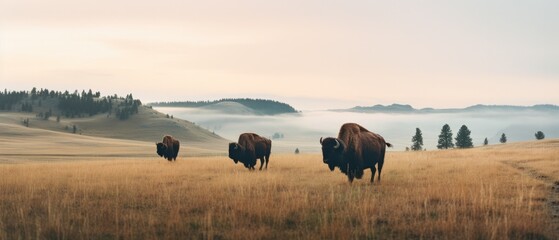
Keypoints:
pixel 250 147
pixel 355 150
pixel 169 148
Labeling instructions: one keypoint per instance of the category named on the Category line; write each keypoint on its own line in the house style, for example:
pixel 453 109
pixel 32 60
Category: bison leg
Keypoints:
pixel 380 169
pixel 261 163
pixel 251 165
pixel 373 171
pixel 267 160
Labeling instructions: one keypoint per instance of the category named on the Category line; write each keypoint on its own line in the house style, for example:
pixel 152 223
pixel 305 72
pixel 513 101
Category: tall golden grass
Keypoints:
pixel 455 194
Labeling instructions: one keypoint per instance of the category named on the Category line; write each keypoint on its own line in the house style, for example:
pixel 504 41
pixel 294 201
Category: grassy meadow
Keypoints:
pixel 498 192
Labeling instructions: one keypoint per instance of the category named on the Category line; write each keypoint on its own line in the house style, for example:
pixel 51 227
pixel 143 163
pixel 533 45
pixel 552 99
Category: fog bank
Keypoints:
pixel 303 130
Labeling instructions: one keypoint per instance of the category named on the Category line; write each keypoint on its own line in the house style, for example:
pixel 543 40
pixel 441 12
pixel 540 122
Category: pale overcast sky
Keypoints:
pixel 311 54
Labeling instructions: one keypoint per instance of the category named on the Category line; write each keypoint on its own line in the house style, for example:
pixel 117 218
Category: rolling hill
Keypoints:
pixel 235 106
pixel 112 120
pixel 147 125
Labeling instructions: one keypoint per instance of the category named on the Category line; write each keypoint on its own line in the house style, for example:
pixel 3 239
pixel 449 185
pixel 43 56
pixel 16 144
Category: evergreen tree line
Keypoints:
pixel 70 104
pixel 463 139
pixel 263 106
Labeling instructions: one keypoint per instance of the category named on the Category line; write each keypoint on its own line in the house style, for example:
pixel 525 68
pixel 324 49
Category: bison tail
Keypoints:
pixel 389 145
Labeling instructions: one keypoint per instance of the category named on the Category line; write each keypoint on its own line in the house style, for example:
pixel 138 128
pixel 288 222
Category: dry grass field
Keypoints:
pixel 497 192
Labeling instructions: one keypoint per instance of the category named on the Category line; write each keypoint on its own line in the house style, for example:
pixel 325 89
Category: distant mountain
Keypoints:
pixel 404 108
pixel 235 105
pixel 388 108
pixel 540 107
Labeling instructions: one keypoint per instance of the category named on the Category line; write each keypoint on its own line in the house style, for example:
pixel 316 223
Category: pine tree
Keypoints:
pixel 503 138
pixel 485 142
pixel 463 139
pixel 540 135
pixel 445 138
pixel 417 140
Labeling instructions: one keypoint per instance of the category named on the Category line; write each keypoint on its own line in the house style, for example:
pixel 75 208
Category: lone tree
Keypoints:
pixel 540 135
pixel 445 138
pixel 485 142
pixel 417 140
pixel 463 139
pixel 296 150
pixel 503 138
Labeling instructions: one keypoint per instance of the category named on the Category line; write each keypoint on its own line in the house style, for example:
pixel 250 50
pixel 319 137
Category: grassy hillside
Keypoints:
pixel 147 125
pixel 99 135
pixel 88 113
pixel 500 192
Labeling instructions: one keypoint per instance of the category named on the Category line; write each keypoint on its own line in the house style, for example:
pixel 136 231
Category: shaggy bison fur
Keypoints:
pixel 169 148
pixel 250 147
pixel 354 150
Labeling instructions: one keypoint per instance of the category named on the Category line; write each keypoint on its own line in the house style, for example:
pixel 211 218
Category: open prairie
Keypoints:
pixel 508 191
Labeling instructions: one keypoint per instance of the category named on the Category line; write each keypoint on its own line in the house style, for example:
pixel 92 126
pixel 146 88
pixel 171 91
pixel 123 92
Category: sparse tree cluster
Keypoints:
pixel 463 139
pixel 127 108
pixel 277 135
pixel 45 115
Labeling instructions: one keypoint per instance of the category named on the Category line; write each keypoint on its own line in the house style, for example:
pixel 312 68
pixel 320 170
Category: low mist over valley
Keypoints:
pixel 397 123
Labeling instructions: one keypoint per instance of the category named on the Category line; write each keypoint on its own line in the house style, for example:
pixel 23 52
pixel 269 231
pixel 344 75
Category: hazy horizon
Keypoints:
pixel 310 54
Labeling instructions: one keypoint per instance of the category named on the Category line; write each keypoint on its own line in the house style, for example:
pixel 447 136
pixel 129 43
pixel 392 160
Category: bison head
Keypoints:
pixel 332 152
pixel 235 152
pixel 161 149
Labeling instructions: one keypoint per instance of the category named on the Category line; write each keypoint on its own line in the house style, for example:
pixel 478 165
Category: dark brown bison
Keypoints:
pixel 249 148
pixel 169 148
pixel 355 150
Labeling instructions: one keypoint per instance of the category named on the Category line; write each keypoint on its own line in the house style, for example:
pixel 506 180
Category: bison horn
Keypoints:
pixel 337 144
pixel 320 140
pixel 236 146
